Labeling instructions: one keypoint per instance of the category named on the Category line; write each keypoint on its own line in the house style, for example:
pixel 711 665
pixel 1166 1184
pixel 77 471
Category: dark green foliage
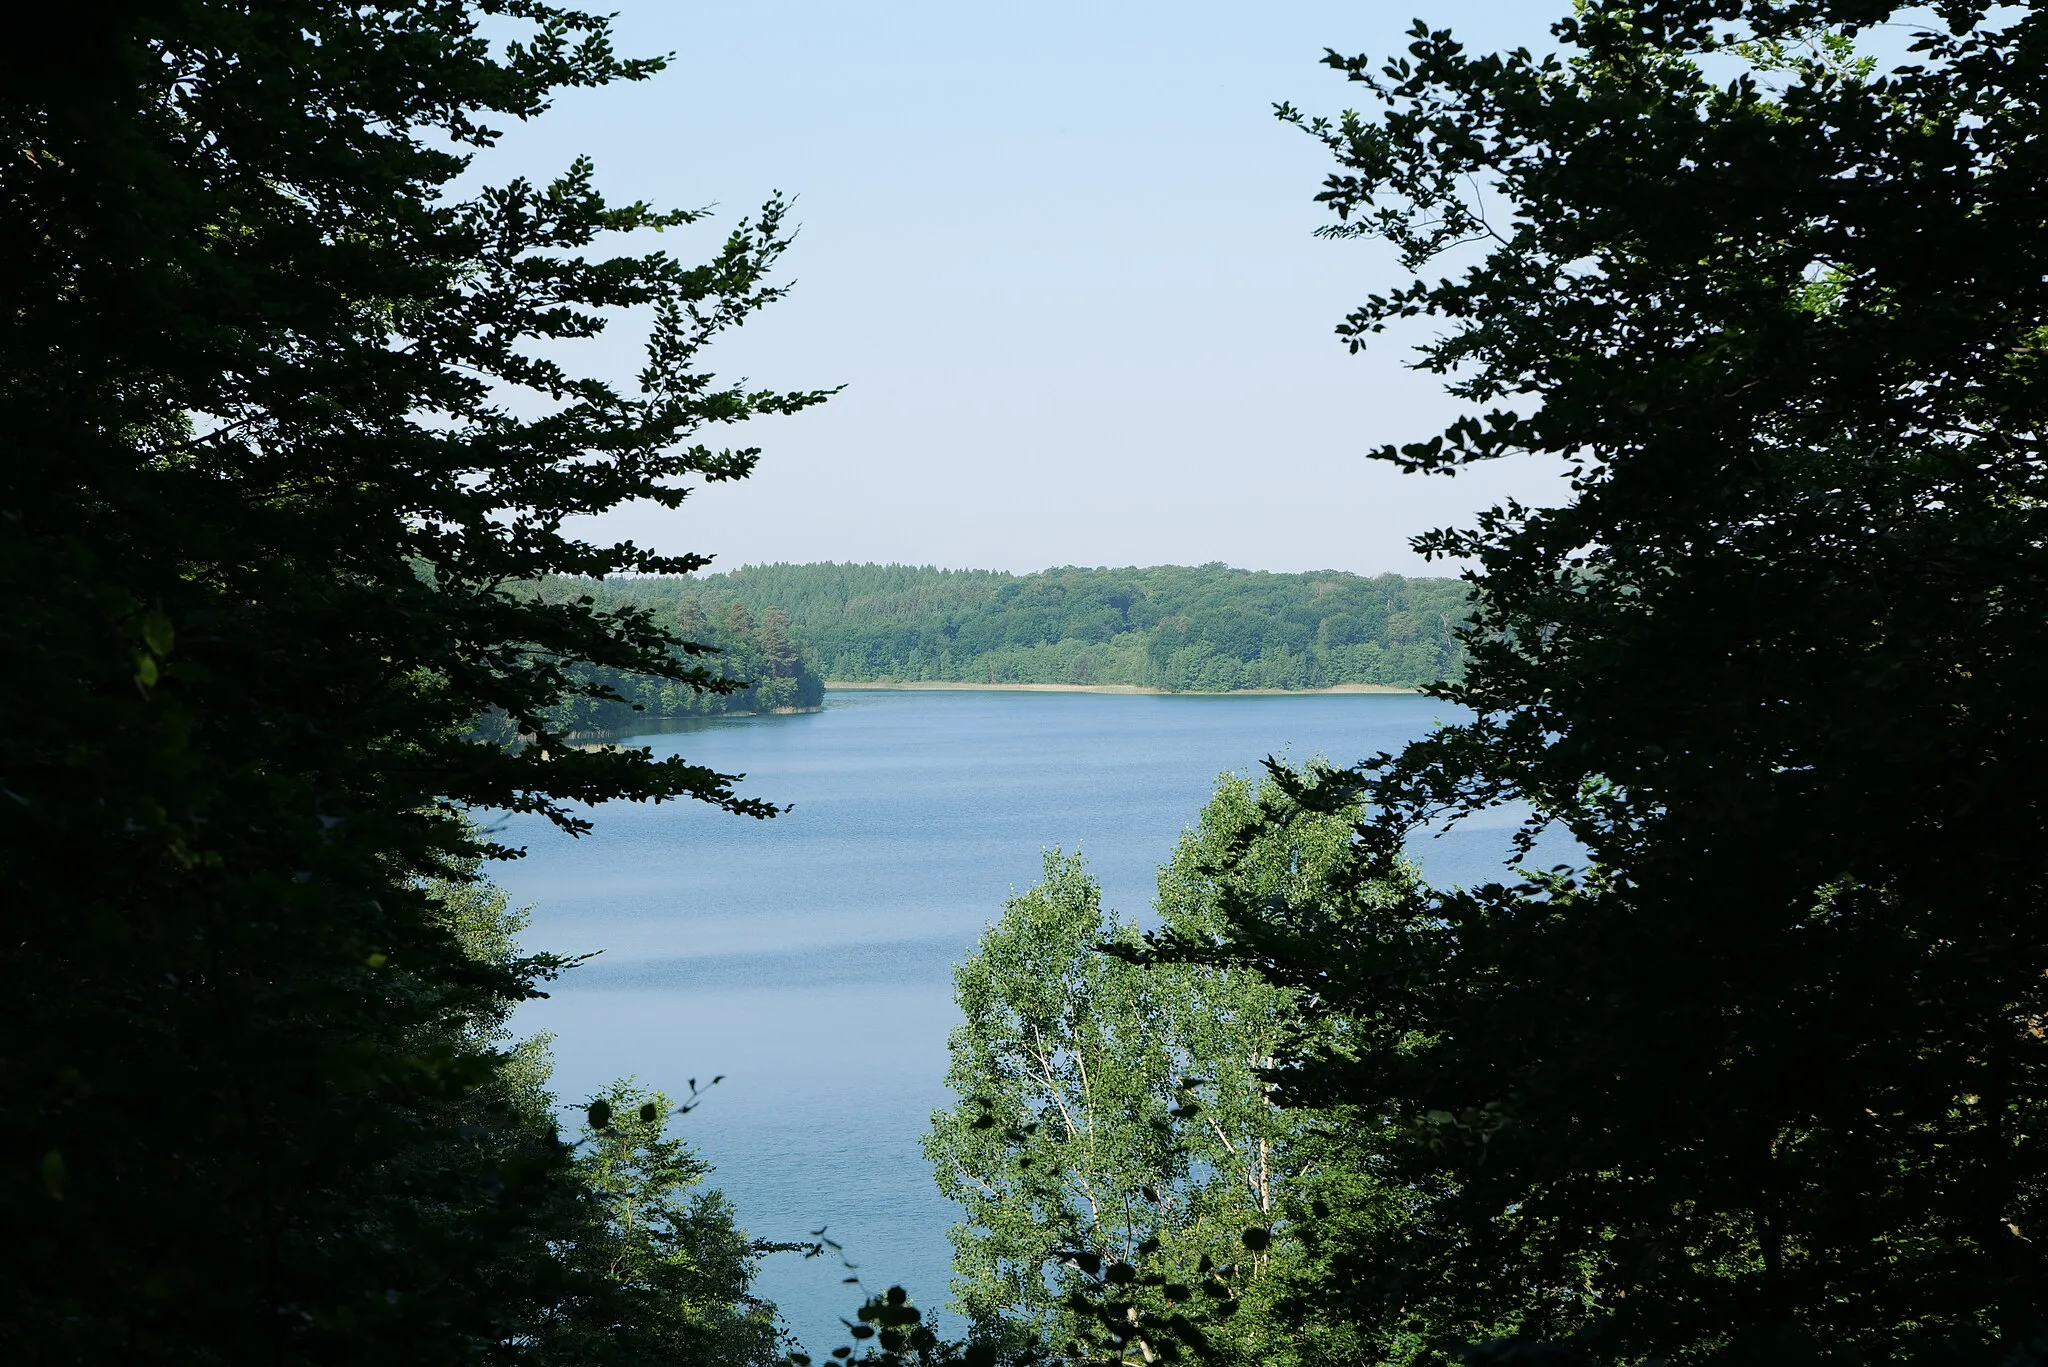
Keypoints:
pixel 645 1267
pixel 1766 1084
pixel 737 664
pixel 888 1331
pixel 277 440
pixel 1209 629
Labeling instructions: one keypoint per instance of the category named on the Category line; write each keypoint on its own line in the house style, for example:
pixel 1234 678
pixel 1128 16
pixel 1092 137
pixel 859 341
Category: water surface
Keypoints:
pixel 808 958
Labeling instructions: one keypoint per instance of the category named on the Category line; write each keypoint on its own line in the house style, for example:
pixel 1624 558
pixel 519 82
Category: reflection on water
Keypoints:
pixel 807 958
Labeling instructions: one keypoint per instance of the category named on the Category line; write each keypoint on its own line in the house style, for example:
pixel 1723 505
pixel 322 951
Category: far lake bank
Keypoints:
pixel 946 686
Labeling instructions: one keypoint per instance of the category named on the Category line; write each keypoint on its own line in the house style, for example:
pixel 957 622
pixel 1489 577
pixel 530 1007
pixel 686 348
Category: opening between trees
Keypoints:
pixel 294 428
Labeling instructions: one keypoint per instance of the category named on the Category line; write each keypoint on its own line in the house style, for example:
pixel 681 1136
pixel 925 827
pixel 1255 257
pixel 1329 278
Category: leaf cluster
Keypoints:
pixel 288 415
pixel 1760 1081
pixel 1130 1184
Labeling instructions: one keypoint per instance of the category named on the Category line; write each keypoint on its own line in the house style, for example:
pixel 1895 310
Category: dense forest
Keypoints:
pixel 293 409
pixel 1208 628
pixel 738 665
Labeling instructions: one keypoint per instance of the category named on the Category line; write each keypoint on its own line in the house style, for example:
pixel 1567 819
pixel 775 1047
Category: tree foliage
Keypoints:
pixel 680 1266
pixel 1762 1083
pixel 287 417
pixel 734 665
pixel 1117 1151
pixel 1203 628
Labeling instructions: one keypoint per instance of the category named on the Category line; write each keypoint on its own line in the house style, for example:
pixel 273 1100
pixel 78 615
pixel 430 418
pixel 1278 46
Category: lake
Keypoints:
pixel 808 958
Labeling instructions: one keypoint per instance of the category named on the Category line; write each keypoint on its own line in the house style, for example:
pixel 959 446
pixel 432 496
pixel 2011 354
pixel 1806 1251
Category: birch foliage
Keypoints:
pixel 1117 1128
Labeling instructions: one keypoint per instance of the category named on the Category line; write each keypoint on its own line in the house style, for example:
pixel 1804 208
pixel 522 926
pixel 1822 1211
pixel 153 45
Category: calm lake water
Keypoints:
pixel 807 959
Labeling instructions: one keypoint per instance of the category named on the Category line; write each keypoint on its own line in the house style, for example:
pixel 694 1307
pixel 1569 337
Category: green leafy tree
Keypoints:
pixel 1117 1144
pixel 691 623
pixel 1063 1132
pixel 782 667
pixel 643 1265
pixel 1315 1181
pixel 682 1267
pixel 650 1266
pixel 734 667
pixel 289 419
pixel 1763 1083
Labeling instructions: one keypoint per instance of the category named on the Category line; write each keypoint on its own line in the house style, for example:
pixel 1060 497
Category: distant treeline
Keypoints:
pixel 754 648
pixel 1206 628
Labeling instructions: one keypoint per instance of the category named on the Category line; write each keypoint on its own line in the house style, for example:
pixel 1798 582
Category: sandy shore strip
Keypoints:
pixel 939 686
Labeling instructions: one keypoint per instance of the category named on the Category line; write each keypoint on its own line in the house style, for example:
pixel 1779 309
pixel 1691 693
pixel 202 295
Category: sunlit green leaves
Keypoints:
pixel 1118 1128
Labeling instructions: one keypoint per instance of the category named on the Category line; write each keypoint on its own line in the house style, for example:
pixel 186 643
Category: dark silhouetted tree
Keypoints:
pixel 289 418
pixel 1765 1081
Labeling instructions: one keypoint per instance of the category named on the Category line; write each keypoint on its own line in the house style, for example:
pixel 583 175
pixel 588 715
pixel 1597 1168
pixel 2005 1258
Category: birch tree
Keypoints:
pixel 1118 1120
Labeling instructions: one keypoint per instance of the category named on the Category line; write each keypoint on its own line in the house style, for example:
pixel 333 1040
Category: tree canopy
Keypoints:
pixel 288 416
pixel 295 429
pixel 1204 628
pixel 733 665
pixel 1762 1082
pixel 1117 1120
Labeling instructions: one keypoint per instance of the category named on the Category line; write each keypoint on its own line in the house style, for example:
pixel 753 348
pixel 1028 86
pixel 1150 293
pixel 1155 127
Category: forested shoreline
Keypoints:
pixel 1209 628
pixel 735 664
pixel 302 543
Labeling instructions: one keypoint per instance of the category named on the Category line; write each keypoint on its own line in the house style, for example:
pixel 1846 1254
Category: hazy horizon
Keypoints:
pixel 1062 260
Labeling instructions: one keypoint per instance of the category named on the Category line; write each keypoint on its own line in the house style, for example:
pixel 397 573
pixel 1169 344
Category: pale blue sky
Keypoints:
pixel 1060 256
